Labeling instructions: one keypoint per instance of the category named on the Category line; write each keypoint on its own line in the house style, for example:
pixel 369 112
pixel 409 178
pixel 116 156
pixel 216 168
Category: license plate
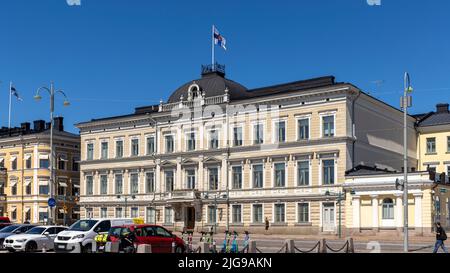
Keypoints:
pixel 61 246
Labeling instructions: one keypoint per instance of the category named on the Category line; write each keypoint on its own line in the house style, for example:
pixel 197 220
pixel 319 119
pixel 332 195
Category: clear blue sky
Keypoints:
pixel 113 55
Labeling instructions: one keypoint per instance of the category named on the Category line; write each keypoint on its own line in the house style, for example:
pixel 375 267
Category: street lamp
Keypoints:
pixel 38 97
pixel 217 195
pixel 126 202
pixel 340 198
pixel 405 103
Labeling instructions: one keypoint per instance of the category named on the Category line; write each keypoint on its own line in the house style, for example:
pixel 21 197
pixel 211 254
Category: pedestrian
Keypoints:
pixel 267 224
pixel 441 236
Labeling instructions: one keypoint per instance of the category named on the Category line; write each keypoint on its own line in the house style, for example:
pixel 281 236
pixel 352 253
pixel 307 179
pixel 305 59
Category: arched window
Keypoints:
pixel 193 91
pixel 388 209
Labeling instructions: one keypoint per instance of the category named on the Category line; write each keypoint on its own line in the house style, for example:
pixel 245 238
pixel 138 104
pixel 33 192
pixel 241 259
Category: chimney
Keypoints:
pixel 48 125
pixel 59 125
pixel 25 127
pixel 442 108
pixel 39 125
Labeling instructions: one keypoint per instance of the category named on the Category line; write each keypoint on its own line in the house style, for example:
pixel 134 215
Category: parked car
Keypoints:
pixel 4 221
pixel 34 239
pixel 81 235
pixel 11 230
pixel 157 236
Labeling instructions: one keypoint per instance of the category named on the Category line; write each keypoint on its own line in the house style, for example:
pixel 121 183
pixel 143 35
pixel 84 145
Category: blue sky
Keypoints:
pixel 113 55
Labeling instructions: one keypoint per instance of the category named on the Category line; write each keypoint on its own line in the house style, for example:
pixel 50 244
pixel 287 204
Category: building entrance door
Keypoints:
pixel 190 218
pixel 328 217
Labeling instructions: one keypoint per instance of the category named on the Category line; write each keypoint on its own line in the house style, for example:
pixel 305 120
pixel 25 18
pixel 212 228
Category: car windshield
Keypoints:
pixel 9 229
pixel 83 225
pixel 115 231
pixel 36 230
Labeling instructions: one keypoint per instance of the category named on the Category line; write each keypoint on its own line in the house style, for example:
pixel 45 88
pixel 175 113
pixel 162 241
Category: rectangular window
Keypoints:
pixel 169 180
pixel 328 126
pixel 28 189
pixel 213 178
pixel 104 154
pixel 90 151
pixel 258 134
pixel 190 179
pixel 134 183
pixel 258 176
pixel 150 182
pixel 62 162
pixel 169 144
pixel 43 215
pixel 257 213
pixel 62 190
pixel 190 139
pixel 44 163
pixel 237 136
pixel 302 173
pixel 213 139
pixel 279 213
pixel 14 164
pixel 119 148
pixel 43 189
pixel 212 219
pixel 237 177
pixel 328 172
pixel 75 164
pixel 134 212
pixel 236 214
pixel 27 162
pixel 151 216
pixel 431 145
pixel 103 184
pixel 150 145
pixel 14 189
pixel 168 216
pixel 134 147
pixel 280 131
pixel 89 185
pixel 14 214
pixel 448 171
pixel 2 163
pixel 303 212
pixel 280 174
pixel 119 213
pixel 103 212
pixel 448 144
pixel 303 129
pixel 119 183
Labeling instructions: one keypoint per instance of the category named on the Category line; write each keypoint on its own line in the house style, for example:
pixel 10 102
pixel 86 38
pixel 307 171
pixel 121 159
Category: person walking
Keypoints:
pixel 267 224
pixel 441 236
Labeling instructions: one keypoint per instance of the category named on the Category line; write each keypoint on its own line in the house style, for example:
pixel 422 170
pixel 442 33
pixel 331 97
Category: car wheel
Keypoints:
pixel 178 249
pixel 31 247
pixel 87 248
pixel 10 250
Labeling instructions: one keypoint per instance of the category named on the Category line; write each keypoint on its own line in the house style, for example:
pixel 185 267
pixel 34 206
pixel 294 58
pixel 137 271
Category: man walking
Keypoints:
pixel 267 224
pixel 441 236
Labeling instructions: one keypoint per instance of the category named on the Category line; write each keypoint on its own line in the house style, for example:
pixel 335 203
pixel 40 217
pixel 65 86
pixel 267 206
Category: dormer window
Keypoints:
pixel 193 92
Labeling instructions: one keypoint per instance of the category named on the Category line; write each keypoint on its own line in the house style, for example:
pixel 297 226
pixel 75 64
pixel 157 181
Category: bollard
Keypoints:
pixel 251 246
pixel 204 247
pixel 94 247
pixel 144 248
pixel 323 246
pixel 290 246
pixel 351 246
pixel 112 247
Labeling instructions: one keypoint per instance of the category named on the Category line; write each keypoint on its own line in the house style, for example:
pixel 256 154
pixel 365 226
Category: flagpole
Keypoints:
pixel 212 48
pixel 9 116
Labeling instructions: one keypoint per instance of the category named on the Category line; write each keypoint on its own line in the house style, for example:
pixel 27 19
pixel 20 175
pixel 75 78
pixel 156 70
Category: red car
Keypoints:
pixel 157 236
pixel 4 221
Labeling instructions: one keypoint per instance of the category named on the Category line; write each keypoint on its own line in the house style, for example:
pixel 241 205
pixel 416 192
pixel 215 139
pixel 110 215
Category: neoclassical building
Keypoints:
pixel 219 155
pixel 25 172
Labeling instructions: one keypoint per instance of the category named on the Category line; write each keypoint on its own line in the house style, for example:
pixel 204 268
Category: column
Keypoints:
pixel 418 213
pixel 200 175
pixel 356 203
pixel 178 144
pixel 201 136
pixel 399 212
pixel 178 175
pixel 158 181
pixel 375 209
pixel 223 176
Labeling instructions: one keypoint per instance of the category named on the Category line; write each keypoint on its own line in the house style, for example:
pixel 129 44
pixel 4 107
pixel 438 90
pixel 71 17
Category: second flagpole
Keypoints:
pixel 9 115
pixel 212 47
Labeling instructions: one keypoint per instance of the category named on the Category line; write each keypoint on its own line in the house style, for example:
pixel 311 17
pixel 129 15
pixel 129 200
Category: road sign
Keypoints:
pixel 51 202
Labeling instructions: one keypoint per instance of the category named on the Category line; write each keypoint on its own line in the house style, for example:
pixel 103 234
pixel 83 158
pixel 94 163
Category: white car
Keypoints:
pixel 80 237
pixel 36 239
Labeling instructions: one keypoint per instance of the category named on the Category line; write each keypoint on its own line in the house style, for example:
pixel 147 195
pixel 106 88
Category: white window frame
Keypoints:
pixel 285 174
pixel 187 136
pixel 273 213
pixel 147 137
pixel 172 222
pixel 208 168
pixel 101 149
pixel 101 210
pixel 208 219
pixel 252 213
pixel 93 150
pixel 252 133
pixel 186 177
pixel 115 184
pixel 208 138
pixel 297 212
pixel 321 170
pixel 327 114
pixel 231 176
pixel 275 133
pixel 174 143
pixel 131 212
pixel 242 214
pixel 131 146
pixel 115 147
pixel 154 181
pixel 86 185
pixel 251 174
pixel 174 171
pixel 297 127
pixel 100 182
pixel 130 184
pixel 232 134
pixel 309 171
pixel 121 212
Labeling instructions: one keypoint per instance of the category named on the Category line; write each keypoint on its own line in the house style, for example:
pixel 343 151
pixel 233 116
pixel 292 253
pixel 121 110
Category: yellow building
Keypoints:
pixel 219 155
pixel 433 147
pixel 25 173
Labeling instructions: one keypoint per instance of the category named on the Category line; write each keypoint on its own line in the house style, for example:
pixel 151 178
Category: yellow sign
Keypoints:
pixel 138 221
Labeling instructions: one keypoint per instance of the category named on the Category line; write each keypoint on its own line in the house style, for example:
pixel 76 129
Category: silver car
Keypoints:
pixel 36 239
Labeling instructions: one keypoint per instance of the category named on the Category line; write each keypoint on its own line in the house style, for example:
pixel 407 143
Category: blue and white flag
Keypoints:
pixel 219 39
pixel 15 93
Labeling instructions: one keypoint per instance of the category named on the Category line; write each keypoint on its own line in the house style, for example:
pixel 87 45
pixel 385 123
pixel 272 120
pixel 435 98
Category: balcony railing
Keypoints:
pixel 183 194
pixel 194 103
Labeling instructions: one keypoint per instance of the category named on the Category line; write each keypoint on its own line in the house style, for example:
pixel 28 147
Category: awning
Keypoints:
pixel 63 184
pixel 76 186
pixel 75 211
pixel 27 182
pixel 13 158
pixel 27 156
pixel 27 210
pixel 43 183
pixel 61 211
pixel 13 183
pixel 62 158
pixel 43 156
pixel 41 209
pixel 13 209
pixel 2 159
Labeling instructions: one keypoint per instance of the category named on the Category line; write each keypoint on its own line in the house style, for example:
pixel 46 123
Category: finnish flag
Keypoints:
pixel 219 39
